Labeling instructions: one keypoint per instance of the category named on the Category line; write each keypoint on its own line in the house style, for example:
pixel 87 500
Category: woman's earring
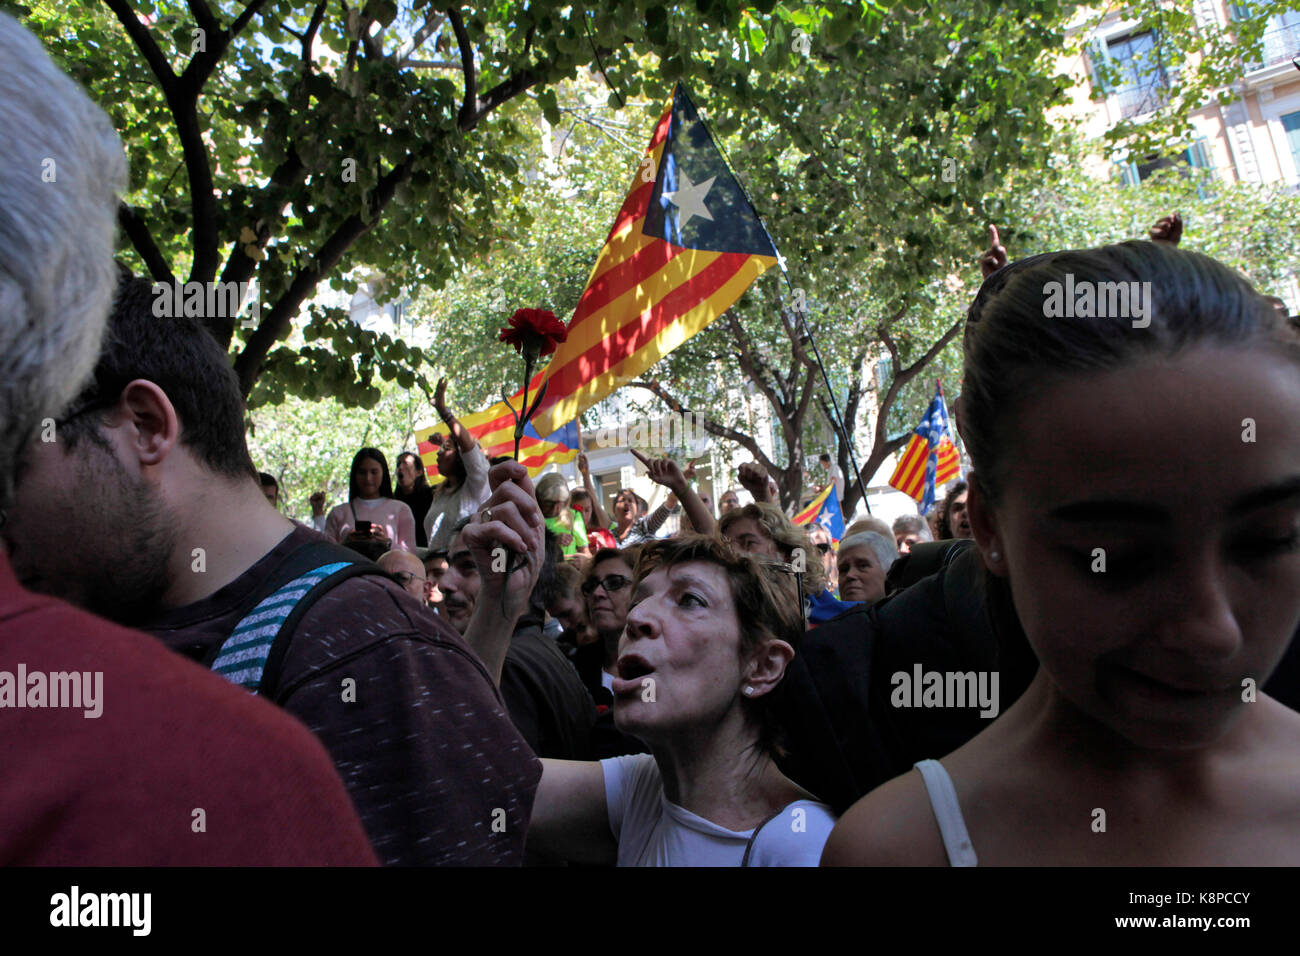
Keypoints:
pixel 749 692
pixel 995 556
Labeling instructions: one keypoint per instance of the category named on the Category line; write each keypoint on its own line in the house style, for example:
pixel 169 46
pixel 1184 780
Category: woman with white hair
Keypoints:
pixel 863 562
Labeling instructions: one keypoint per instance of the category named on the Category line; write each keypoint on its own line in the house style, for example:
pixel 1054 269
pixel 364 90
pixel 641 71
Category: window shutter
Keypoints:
pixel 1098 60
pixel 1199 154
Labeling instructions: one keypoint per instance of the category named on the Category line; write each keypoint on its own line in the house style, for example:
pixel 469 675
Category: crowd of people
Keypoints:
pixel 497 671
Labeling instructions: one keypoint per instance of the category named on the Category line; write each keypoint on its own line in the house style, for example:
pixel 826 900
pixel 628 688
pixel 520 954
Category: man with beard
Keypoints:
pixel 115 752
pixel 178 540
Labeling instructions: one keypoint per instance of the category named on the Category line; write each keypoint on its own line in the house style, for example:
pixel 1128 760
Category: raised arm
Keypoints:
pixel 464 440
pixel 508 534
pixel 753 478
pixel 664 471
pixel 598 517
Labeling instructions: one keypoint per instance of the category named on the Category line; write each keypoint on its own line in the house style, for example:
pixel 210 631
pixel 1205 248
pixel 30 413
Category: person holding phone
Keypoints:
pixel 371 512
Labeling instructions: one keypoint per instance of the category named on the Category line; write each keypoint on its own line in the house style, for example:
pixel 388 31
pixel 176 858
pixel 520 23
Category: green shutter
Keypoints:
pixel 1098 62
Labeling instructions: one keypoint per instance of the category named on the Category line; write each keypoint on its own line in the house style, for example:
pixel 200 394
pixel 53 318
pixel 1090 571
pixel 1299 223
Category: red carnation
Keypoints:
pixel 537 329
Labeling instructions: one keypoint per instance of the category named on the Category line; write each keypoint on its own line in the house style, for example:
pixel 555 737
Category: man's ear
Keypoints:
pixel 984 526
pixel 153 429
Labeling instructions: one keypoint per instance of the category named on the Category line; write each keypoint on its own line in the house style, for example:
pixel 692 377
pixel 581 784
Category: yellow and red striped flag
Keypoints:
pixel 930 458
pixel 685 245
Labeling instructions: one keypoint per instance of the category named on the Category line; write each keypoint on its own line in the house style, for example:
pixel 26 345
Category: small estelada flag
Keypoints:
pixel 930 458
pixel 824 510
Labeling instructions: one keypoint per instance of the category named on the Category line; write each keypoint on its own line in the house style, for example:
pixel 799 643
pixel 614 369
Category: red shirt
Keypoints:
pixel 180 768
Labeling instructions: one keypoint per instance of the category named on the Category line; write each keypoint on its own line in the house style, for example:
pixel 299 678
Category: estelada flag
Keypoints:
pixel 824 510
pixel 930 458
pixel 685 245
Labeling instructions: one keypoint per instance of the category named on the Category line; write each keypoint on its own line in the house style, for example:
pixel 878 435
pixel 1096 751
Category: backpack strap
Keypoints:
pixel 255 650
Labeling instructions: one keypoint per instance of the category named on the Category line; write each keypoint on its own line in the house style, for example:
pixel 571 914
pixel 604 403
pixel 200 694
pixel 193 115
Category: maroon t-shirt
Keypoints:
pixel 179 768
pixel 415 725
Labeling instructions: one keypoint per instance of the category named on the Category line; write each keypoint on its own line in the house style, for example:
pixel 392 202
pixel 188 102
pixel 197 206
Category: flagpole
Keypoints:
pixel 838 422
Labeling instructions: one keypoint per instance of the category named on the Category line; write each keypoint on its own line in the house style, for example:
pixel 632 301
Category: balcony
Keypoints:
pixel 1145 98
pixel 1280 44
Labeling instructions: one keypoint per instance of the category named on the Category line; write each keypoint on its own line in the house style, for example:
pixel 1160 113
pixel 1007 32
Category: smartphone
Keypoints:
pixel 363 527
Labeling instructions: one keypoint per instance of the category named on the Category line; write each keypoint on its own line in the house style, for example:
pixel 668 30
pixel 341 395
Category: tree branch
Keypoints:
pixel 432 21
pixel 142 240
pixel 309 37
pixel 144 41
pixel 469 109
pixel 710 426
pixel 251 359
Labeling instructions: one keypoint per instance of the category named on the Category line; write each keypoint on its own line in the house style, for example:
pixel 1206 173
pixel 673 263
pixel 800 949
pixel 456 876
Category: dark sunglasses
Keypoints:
pixel 824 548
pixel 611 583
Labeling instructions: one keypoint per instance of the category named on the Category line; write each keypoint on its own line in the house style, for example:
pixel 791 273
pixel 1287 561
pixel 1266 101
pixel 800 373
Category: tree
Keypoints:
pixel 286 142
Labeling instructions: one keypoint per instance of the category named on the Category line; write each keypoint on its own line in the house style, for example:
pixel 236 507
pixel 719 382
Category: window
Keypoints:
pixel 1291 126
pixel 1196 156
pixel 1142 77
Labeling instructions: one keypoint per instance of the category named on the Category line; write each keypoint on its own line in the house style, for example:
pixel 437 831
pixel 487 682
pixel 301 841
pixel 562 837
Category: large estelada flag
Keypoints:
pixel 685 245
pixel 824 510
pixel 930 458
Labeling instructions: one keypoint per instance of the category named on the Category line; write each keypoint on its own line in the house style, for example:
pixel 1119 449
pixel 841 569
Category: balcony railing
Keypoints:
pixel 1280 44
pixel 1136 100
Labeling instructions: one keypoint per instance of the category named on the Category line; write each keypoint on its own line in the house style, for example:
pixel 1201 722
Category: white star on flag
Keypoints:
pixel 824 519
pixel 692 196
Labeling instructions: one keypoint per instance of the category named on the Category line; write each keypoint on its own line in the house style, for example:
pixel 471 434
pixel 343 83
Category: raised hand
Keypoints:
pixel 583 467
pixel 754 479
pixel 507 540
pixel 995 257
pixel 663 471
pixel 1168 229
pixel 440 395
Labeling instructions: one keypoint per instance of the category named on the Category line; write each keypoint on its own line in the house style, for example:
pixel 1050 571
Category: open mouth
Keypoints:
pixel 633 667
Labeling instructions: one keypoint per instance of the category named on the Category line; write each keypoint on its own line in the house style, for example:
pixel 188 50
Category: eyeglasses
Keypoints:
pixel 406 577
pixel 824 548
pixel 611 583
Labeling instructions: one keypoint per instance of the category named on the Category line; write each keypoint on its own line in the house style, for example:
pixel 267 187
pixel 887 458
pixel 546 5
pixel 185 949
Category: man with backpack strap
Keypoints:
pixel 151 477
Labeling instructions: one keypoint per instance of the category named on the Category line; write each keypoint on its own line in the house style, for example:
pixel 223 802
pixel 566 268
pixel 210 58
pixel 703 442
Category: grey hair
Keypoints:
pixel 61 171
pixel 913 524
pixel 884 548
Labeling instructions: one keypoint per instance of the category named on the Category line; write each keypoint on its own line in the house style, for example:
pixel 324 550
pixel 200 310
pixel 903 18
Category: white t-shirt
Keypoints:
pixel 651 831
pixel 447 508
pixel 395 516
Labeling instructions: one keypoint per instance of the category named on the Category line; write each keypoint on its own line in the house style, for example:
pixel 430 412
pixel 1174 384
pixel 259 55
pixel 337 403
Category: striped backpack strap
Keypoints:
pixel 244 656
